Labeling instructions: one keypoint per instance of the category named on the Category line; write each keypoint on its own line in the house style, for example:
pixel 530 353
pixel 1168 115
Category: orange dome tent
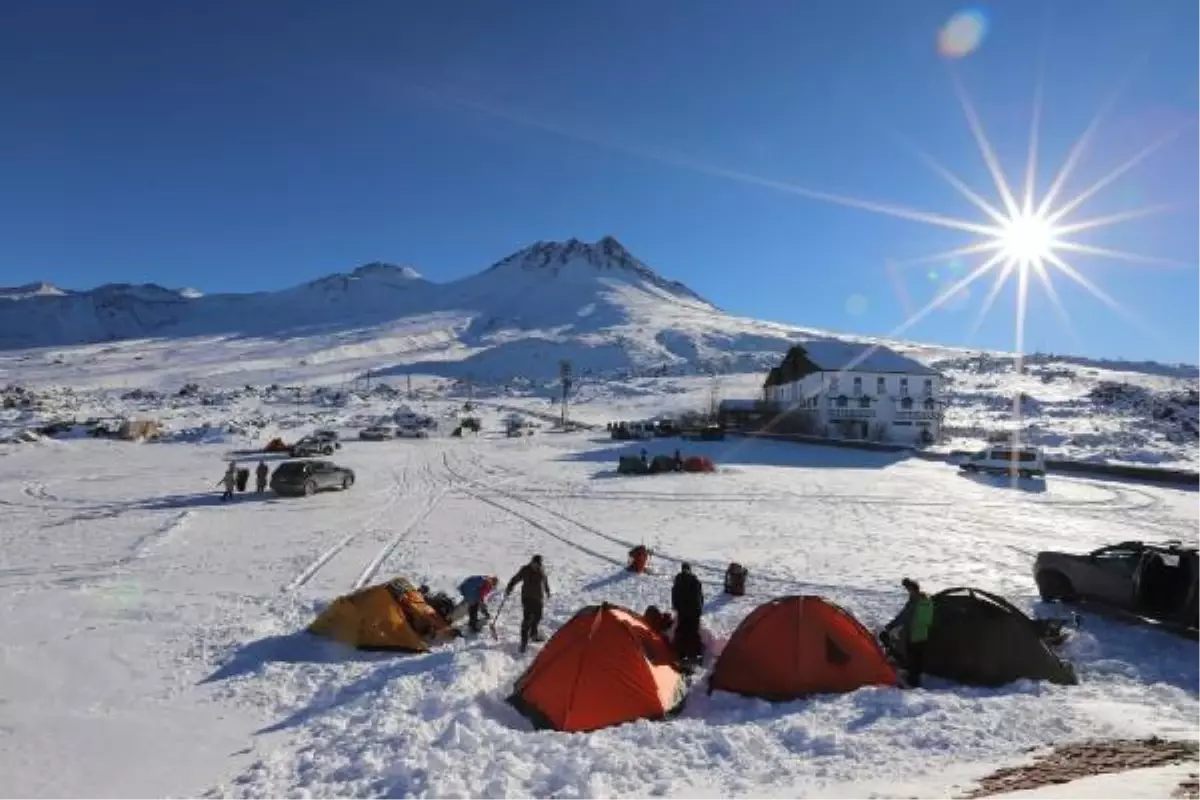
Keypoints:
pixel 605 667
pixel 794 646
pixel 388 616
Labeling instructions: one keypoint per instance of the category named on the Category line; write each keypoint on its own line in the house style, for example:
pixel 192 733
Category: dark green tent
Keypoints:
pixel 980 639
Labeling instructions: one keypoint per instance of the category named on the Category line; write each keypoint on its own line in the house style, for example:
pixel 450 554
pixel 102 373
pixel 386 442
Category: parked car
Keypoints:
pixel 411 432
pixel 327 435
pixel 377 433
pixel 1026 462
pixel 1150 581
pixel 310 477
pixel 310 446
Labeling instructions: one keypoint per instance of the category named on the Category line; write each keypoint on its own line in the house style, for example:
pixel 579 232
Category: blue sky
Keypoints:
pixel 246 146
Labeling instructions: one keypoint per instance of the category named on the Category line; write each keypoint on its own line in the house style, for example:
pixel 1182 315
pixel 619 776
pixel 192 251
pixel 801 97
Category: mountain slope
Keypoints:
pixel 596 303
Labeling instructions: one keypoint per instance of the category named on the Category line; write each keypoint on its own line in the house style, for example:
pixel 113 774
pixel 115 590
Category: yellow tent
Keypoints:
pixel 388 616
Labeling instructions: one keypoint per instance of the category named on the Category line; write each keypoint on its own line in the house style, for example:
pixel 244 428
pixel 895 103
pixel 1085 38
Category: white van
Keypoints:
pixel 1025 461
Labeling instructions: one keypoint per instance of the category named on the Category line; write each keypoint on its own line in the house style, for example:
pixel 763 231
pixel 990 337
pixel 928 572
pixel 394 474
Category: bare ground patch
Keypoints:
pixel 1070 762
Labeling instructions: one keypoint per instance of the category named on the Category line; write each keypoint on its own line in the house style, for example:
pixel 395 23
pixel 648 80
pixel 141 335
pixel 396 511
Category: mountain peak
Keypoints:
pixel 36 289
pixel 382 269
pixel 604 256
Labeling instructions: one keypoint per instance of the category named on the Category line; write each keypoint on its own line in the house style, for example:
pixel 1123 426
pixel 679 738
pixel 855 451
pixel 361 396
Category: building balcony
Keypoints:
pixel 917 415
pixel 851 413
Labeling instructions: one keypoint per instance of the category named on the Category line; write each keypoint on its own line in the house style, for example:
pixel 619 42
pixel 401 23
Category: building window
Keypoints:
pixel 841 401
pixel 881 386
pixel 906 403
pixel 904 387
pixel 864 402
pixel 928 386
pixel 833 383
pixel 929 404
pixel 857 387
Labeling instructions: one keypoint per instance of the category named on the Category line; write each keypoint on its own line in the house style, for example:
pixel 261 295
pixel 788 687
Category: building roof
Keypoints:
pixel 832 355
pixel 739 404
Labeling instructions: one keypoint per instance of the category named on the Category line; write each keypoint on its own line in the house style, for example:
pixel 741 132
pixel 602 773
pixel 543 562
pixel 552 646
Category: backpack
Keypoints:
pixel 735 579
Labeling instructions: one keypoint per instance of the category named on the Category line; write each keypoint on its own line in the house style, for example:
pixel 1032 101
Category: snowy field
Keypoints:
pixel 152 636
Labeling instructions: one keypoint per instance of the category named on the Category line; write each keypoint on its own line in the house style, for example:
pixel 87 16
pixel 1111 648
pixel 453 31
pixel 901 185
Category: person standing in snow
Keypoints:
pixel 687 599
pixel 475 591
pixel 917 616
pixel 230 481
pixel 260 476
pixel 535 589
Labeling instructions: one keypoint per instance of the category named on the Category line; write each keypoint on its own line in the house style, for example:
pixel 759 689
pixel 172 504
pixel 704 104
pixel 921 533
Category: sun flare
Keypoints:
pixel 1027 239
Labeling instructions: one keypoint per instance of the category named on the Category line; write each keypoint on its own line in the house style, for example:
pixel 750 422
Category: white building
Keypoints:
pixel 857 391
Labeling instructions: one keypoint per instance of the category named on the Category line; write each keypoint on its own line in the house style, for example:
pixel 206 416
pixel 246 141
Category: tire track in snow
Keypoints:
pixel 91 570
pixel 719 571
pixel 465 483
pixel 399 483
pixel 373 566
pixel 401 486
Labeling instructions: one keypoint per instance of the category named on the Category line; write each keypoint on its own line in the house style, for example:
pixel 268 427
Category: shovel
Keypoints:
pixel 496 617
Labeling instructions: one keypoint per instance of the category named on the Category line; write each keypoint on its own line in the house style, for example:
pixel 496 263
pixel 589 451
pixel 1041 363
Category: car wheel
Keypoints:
pixel 347 482
pixel 1053 585
pixel 310 488
pixel 970 468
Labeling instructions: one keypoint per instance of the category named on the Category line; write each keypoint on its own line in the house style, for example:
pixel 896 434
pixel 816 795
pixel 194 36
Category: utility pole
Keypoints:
pixel 564 375
pixel 470 392
pixel 714 398
pixel 409 381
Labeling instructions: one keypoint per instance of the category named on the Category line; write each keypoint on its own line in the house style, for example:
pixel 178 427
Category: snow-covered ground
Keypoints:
pixel 151 642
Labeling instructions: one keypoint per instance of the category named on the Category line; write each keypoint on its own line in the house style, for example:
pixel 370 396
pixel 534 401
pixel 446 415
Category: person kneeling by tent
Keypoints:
pixel 535 588
pixel 687 598
pixel 918 619
pixel 475 591
pixel 639 559
pixel 659 620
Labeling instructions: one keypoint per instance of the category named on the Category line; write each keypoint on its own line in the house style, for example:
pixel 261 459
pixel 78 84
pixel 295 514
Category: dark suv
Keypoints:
pixel 310 477
pixel 1148 581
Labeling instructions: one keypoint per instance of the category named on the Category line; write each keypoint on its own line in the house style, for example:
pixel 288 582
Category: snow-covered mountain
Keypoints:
pixel 592 302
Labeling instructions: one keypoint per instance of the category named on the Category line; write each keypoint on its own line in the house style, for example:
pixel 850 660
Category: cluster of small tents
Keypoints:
pixel 609 665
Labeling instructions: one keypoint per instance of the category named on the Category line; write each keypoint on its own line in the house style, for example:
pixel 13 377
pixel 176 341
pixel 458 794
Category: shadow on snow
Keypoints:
pixel 1029 485
pixel 743 452
pixel 438 665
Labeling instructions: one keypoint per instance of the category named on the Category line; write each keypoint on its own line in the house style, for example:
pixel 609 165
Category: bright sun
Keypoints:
pixel 1027 238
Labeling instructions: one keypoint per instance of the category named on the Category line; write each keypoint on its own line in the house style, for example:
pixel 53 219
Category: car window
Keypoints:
pixel 1118 559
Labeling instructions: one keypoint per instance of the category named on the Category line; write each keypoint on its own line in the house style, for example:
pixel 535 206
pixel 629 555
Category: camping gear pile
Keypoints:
pixel 276 445
pixel 642 465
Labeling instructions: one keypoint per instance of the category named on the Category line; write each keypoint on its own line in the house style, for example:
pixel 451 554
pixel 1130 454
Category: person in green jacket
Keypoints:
pixel 918 619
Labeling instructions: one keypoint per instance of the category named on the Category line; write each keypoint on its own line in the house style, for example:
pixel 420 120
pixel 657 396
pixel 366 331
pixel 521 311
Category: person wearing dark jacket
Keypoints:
pixel 535 588
pixel 687 599
pixel 260 476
